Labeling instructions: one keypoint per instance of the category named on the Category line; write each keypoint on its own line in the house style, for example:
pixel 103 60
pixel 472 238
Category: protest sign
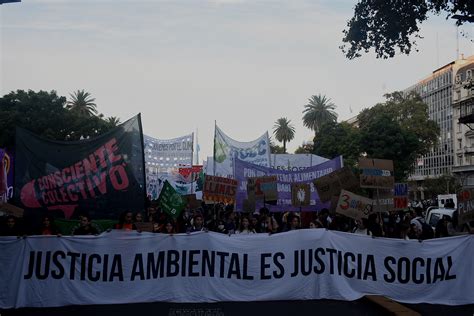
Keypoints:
pixel 227 149
pixel 219 189
pixel 332 184
pixel 308 264
pixel 245 170
pixel 6 175
pixel 400 196
pixel 102 176
pixel 9 209
pixel 353 205
pixel 263 188
pixel 376 173
pixel 170 201
pixel 165 155
pixel 300 194
pixel 191 201
pixel 465 206
pixel 187 171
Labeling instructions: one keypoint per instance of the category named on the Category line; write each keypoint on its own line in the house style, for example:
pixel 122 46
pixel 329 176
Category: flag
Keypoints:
pixel 170 201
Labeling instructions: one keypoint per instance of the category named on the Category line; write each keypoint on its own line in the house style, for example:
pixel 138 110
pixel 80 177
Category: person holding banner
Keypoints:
pixel 293 222
pixel 245 228
pixel 361 227
pixel 125 221
pixel 198 224
pixel 48 227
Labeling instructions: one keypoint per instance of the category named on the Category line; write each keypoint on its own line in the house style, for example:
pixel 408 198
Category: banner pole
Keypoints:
pixel 214 150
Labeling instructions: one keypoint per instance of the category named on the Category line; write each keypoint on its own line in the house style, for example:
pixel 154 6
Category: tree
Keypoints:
pixel 442 185
pixel 411 113
pixel 82 103
pixel 284 131
pixel 398 129
pixel 113 121
pixel 382 137
pixel 306 148
pixel 44 113
pixel 394 24
pixel 318 111
pixel 275 149
pixel 336 139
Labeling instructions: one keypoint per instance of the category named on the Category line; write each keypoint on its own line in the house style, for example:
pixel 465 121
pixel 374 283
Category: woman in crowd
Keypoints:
pixel 245 228
pixel 168 228
pixel 47 226
pixel 125 221
pixel 361 227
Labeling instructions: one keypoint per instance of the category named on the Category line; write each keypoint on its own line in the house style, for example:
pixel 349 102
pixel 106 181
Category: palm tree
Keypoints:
pixel 82 103
pixel 113 121
pixel 284 132
pixel 317 112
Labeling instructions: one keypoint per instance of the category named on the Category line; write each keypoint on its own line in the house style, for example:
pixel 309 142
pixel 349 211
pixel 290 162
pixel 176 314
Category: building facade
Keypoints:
pixel 463 123
pixel 438 92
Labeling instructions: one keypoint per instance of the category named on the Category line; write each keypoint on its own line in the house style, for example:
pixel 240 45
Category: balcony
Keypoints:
pixel 469 149
pixel 467 111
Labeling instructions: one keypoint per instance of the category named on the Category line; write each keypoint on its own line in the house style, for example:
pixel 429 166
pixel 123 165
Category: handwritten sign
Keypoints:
pixel 376 173
pixel 353 205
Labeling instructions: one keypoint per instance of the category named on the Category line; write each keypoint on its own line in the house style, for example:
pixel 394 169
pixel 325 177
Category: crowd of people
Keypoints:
pixel 223 219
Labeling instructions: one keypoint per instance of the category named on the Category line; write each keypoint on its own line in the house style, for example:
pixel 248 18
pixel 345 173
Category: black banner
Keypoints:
pixel 102 176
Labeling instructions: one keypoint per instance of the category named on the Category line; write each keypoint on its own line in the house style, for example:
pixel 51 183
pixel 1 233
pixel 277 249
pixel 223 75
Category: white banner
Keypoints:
pixel 226 148
pixel 127 267
pixel 295 162
pixel 164 155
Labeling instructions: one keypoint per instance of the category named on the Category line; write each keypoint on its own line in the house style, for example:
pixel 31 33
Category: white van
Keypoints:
pixel 443 199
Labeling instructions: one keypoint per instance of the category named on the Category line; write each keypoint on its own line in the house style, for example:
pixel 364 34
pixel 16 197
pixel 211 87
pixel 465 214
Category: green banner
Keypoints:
pixel 170 201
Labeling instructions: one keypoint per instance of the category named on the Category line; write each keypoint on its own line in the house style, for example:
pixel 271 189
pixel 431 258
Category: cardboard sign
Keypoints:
pixel 144 227
pixel 264 188
pixel 300 194
pixel 465 206
pixel 219 189
pixel 385 200
pixel 249 205
pixel 186 171
pixel 353 205
pixel 332 184
pixel 400 196
pixel 376 173
pixel 191 201
pixel 11 210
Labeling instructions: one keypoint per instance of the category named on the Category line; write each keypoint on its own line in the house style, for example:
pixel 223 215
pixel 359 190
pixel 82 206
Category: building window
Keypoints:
pixel 468 74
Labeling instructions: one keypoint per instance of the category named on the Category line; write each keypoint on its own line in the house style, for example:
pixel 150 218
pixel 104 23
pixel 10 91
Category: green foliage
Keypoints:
pixel 318 111
pixel 382 137
pixel 338 139
pixel 445 184
pixel 44 113
pixel 284 131
pixel 398 129
pixel 113 121
pixel 393 24
pixel 82 103
pixel 275 149
pixel 304 149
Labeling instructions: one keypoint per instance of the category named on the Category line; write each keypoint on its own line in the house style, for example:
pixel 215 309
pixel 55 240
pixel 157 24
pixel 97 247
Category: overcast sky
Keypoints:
pixel 184 64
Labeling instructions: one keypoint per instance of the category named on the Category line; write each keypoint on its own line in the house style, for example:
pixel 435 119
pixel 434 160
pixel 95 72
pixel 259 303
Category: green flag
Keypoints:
pixel 170 201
